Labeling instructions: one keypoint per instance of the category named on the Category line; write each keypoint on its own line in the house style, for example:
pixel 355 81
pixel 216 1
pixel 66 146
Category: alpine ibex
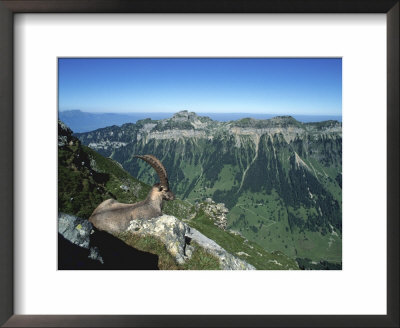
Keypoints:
pixel 114 217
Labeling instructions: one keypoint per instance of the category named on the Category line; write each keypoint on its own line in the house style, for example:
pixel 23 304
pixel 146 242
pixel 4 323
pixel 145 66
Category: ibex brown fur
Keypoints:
pixel 114 217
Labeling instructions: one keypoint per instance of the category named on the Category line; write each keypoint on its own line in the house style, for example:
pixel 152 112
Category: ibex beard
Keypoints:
pixel 114 217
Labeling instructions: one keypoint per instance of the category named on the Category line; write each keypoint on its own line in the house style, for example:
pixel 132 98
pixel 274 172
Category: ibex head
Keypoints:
pixel 165 192
pixel 162 188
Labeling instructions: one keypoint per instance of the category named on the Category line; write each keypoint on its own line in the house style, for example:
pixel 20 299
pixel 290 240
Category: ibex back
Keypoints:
pixel 114 217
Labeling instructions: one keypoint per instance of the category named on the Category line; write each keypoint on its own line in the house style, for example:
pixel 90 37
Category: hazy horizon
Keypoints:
pixel 197 112
pixel 236 115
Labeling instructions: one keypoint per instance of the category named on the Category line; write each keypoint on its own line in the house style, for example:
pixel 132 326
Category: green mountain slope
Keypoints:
pixel 280 178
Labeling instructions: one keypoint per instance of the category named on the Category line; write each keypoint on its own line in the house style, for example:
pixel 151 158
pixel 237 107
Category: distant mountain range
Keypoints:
pixel 80 121
pixel 281 179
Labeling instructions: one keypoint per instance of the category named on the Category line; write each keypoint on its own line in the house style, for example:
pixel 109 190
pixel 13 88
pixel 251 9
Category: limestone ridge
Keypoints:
pixel 186 124
pixel 185 115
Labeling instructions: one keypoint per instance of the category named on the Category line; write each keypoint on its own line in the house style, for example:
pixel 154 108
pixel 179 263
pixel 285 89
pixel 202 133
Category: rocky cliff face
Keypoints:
pixel 186 124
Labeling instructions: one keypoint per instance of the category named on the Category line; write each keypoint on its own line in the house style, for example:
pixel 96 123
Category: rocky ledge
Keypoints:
pixel 166 228
pixel 177 237
pixel 173 233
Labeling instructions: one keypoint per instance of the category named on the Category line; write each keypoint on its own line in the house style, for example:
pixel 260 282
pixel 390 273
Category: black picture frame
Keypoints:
pixel 10 7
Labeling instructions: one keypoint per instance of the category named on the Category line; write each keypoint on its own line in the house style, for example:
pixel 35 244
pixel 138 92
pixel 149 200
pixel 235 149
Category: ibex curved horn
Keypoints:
pixel 158 166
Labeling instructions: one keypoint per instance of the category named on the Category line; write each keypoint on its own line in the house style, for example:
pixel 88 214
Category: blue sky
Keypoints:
pixel 232 85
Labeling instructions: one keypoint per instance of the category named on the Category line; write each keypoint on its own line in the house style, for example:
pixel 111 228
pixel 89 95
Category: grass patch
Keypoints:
pixel 151 245
pixel 260 218
pixel 234 244
pixel 85 179
pixel 200 260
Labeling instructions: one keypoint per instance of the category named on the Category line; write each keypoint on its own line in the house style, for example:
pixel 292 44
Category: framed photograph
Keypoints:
pixel 265 187
pixel 209 164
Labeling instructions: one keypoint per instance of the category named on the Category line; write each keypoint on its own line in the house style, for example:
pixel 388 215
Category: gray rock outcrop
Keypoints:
pixel 64 134
pixel 77 231
pixel 168 229
pixel 175 234
pixel 216 211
